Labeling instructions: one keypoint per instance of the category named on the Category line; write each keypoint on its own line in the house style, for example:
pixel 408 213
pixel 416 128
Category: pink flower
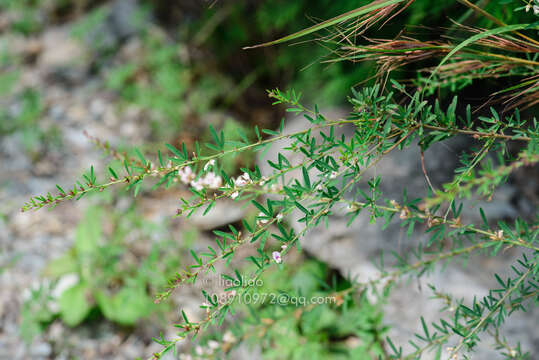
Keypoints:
pixel 242 180
pixel 197 184
pixel 212 181
pixel 277 257
pixel 186 175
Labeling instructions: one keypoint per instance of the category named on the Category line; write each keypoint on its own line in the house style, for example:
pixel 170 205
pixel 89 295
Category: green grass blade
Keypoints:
pixel 375 5
pixel 477 37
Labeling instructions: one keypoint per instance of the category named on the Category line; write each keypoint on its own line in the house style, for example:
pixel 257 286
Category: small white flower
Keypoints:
pixel 209 164
pixel 26 294
pixel 54 306
pixel 234 195
pixel 528 7
pixel 229 337
pixel 536 9
pixel 284 247
pixel 333 175
pixel 319 187
pixel 212 344
pixel 279 217
pixel 153 169
pixel 403 214
pixel 212 181
pixel 262 221
pixel 242 180
pixel 65 282
pixel 186 175
pixel 275 187
pixel 277 257
pixel 199 351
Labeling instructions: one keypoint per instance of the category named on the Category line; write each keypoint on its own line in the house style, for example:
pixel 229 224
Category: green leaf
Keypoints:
pixel 483 217
pixel 74 306
pixel 333 21
pixel 194 255
pixel 175 151
pixel 113 173
pixel 270 132
pixel 126 306
pixel 140 156
pixel 65 264
pixel 88 232
pixel 306 178
pixel 218 140
pixel 301 207
pixel 261 207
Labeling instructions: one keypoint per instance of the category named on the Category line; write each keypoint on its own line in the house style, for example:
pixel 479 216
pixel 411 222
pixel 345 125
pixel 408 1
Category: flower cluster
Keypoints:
pixel 241 181
pixel 209 180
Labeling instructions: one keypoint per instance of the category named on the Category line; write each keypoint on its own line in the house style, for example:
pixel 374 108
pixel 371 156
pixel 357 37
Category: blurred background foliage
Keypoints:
pixel 191 53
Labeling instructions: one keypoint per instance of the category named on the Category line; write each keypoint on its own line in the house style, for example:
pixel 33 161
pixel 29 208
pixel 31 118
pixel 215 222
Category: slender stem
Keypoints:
pixel 477 133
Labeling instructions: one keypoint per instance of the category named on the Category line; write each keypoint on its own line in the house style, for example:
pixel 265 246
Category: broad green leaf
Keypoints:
pixel 74 306
pixel 65 264
pixel 127 306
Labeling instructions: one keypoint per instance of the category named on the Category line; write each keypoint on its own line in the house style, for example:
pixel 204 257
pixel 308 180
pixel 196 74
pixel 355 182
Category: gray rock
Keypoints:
pixel 353 249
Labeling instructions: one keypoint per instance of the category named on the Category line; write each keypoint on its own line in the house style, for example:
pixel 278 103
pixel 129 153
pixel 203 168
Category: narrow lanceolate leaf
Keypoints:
pixel 375 5
pixel 306 179
pixel 261 208
pixel 113 173
pixel 140 156
pixel 174 151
